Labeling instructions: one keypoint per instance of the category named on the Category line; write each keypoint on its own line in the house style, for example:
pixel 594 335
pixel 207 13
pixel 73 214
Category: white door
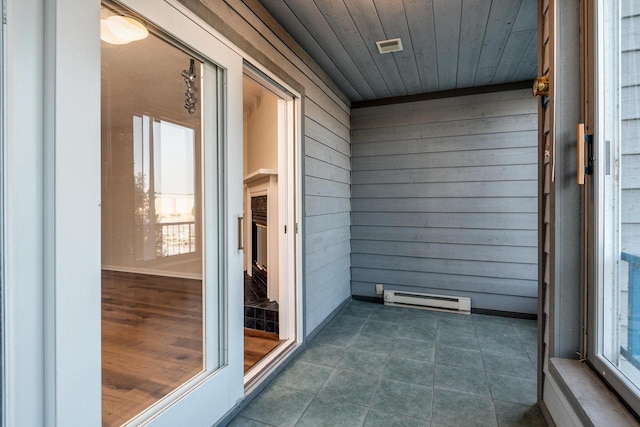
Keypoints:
pixel 170 185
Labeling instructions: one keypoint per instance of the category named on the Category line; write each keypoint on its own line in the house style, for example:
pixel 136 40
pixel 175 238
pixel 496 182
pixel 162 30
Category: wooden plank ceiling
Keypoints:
pixel 448 44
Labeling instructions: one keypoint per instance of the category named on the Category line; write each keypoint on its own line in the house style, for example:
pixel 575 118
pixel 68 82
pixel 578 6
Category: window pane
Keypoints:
pixel 174 188
pixel 152 210
pixel 619 323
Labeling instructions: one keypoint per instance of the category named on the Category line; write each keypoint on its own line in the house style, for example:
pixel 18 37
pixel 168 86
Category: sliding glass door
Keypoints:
pixel 171 333
pixel 614 333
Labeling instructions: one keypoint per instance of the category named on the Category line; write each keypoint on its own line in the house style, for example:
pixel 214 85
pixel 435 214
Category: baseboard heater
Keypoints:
pixel 451 304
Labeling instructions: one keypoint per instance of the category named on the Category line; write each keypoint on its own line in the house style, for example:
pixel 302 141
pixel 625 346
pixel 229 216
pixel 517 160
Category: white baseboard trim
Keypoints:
pixel 153 272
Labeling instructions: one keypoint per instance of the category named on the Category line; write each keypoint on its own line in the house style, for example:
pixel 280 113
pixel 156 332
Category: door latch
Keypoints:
pixel 584 164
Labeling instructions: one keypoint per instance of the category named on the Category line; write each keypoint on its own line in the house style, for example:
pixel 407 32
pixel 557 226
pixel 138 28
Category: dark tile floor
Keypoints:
pixel 254 293
pixel 387 366
pixel 260 313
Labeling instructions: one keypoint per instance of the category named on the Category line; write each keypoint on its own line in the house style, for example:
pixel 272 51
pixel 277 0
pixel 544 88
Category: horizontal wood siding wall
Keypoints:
pixel 326 144
pixel 445 199
pixel 630 164
pixel 630 149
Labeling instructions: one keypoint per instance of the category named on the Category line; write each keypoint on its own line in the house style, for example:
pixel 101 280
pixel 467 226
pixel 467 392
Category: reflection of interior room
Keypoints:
pixel 152 270
pixel 261 220
pixel 152 224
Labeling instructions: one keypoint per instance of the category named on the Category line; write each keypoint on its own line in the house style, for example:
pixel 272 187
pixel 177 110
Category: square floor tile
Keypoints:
pixel 459 339
pixel 388 314
pixel 524 323
pixel 304 376
pixel 513 389
pixel 322 354
pixel 506 364
pixel 415 316
pixel 246 422
pixel 453 319
pixel 279 406
pixel 463 380
pixel 490 330
pixel 444 328
pixel 349 323
pixel 524 326
pixel 414 349
pixel 460 409
pixel 419 331
pixel 363 361
pixel 403 399
pixel 517 415
pixel 382 345
pixel 462 357
pixel 349 386
pixel 502 344
pixel 492 320
pixel 335 336
pixel 357 308
pixel 532 352
pixel 382 419
pixel 376 328
pixel 331 413
pixel 409 371
pixel 527 334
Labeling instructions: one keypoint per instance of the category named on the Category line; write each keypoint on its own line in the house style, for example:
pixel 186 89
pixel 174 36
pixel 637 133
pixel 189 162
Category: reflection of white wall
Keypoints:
pixel 262 133
pixel 261 153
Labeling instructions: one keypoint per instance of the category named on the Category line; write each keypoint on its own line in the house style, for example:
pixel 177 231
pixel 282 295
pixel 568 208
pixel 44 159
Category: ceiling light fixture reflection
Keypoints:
pixel 118 29
pixel 107 36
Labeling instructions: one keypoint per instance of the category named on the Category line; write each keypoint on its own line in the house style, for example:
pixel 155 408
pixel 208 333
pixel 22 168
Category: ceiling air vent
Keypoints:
pixel 388 46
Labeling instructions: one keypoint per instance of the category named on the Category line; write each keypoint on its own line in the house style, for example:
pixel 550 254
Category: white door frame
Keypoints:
pixel 288 208
pixel 52 320
pixel 69 211
pixel 23 120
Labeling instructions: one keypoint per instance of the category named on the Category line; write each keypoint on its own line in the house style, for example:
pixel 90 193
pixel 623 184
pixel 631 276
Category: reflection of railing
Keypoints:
pixel 632 352
pixel 176 238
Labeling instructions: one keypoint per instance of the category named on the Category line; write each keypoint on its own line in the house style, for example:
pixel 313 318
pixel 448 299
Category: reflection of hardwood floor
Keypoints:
pixel 257 344
pixel 151 340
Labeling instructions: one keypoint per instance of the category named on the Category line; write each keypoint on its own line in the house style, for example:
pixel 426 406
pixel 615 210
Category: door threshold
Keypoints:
pixel 268 364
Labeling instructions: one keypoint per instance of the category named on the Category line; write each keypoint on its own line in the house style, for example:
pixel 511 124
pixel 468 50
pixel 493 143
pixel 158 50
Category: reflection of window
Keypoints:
pixel 164 171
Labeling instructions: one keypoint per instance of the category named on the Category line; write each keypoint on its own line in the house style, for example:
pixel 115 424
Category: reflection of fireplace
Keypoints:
pixel 259 240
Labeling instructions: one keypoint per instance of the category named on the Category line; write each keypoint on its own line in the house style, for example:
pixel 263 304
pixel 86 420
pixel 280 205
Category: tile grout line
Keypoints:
pixel 435 362
pixel 406 320
pixel 333 369
pixel 486 374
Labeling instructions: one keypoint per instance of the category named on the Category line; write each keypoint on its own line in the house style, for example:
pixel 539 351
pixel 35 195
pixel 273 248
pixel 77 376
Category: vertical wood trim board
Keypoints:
pixel 444 199
pixel 561 205
pixel 326 146
pixel 546 24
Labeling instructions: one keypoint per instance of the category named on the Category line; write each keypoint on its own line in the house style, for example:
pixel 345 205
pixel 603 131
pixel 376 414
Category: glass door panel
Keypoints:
pixel 618 196
pixel 153 234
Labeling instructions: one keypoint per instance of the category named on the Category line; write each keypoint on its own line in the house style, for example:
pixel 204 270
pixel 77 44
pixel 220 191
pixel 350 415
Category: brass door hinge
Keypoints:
pixel 541 86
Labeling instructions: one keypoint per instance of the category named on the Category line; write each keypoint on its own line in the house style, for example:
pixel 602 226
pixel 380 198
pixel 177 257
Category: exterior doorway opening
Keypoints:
pixel 269 228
